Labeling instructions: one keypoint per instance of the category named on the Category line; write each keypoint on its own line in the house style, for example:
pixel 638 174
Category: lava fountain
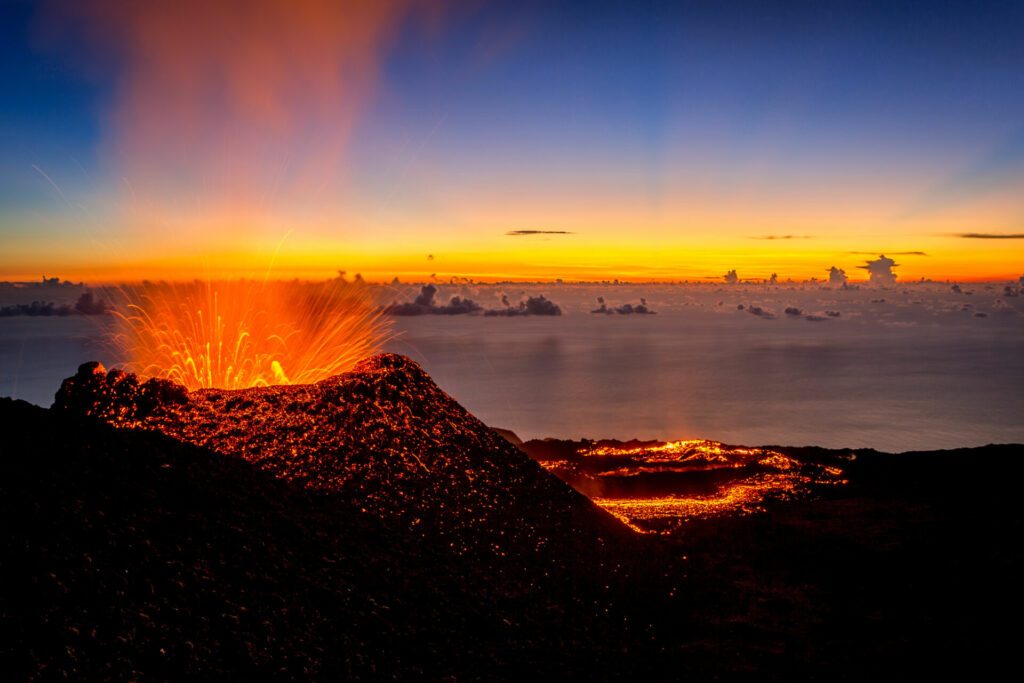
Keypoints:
pixel 245 333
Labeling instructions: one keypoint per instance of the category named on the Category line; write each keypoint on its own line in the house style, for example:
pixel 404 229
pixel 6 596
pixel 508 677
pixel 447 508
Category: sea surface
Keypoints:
pixel 914 367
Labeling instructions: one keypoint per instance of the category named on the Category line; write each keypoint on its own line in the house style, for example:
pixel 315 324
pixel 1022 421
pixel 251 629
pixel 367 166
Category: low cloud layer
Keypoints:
pixel 87 304
pixel 894 253
pixel 534 305
pixel 625 309
pixel 425 304
pixel 526 233
pixel 992 235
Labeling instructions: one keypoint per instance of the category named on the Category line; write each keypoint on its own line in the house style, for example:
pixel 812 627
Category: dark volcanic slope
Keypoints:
pixel 383 435
pixel 370 528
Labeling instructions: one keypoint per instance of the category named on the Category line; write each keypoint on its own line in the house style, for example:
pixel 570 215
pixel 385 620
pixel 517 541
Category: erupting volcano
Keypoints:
pixel 245 333
pixel 252 474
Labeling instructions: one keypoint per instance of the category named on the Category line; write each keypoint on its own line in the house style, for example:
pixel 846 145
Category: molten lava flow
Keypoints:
pixel 660 514
pixel 657 486
pixel 242 334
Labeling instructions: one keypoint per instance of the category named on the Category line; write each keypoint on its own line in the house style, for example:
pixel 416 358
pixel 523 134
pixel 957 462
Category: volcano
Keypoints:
pixel 367 526
pixel 382 436
pixel 354 527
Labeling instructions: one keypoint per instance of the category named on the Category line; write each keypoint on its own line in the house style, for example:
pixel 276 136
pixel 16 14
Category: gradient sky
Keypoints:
pixel 669 141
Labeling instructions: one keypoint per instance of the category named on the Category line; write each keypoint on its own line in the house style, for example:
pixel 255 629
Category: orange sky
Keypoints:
pixel 404 138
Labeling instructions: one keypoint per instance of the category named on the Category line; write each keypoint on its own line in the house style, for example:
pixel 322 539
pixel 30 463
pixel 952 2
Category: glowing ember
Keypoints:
pixel 243 334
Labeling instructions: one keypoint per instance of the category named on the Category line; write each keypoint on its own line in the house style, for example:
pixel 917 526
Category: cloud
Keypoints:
pixel 836 277
pixel 526 233
pixel 424 304
pixel 894 253
pixel 36 308
pixel 625 309
pixel 880 270
pixel 781 237
pixel 87 304
pixel 992 235
pixel 534 305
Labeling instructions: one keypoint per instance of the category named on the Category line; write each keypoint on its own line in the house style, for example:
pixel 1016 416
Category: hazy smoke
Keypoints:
pixel 234 107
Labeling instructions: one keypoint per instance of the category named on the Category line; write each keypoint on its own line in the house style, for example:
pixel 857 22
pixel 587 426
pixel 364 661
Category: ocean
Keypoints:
pixel 914 367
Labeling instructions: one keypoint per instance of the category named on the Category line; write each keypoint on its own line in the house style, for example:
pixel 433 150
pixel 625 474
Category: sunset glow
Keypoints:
pixel 180 141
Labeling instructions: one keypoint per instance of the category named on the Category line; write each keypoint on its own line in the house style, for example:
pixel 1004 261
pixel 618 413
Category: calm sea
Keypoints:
pixel 917 367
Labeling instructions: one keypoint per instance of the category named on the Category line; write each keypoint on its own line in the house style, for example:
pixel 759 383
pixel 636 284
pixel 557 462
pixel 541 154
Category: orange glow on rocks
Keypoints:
pixel 243 334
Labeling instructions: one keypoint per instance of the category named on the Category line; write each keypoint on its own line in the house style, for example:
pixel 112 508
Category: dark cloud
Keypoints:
pixel 87 304
pixel 36 308
pixel 630 309
pixel 836 277
pixel 894 253
pixel 780 237
pixel 424 304
pixel 625 309
pixel 880 270
pixel 426 296
pixel 534 305
pixel 760 312
pixel 992 235
pixel 525 233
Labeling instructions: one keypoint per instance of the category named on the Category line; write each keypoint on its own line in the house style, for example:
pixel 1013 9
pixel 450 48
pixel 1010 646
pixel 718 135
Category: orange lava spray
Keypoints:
pixel 245 333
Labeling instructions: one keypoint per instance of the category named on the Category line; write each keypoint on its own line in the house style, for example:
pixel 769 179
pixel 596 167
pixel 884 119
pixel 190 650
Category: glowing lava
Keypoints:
pixel 655 486
pixel 661 513
pixel 242 334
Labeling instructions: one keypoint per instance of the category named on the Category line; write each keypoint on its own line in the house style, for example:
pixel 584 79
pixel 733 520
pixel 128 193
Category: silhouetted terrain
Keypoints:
pixel 368 527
